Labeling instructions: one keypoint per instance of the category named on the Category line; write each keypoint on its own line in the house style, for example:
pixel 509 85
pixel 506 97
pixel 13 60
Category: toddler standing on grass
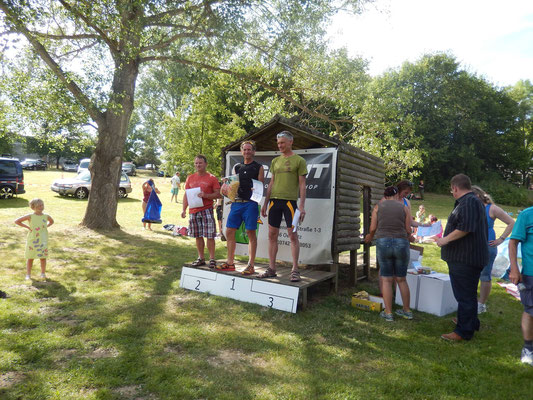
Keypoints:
pixel 37 240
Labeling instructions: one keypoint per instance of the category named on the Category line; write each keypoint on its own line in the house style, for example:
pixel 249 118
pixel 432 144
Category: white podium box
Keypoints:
pixel 413 281
pixel 435 295
pixel 268 294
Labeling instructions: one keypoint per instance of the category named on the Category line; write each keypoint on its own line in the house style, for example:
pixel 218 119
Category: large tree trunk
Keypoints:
pixel 106 162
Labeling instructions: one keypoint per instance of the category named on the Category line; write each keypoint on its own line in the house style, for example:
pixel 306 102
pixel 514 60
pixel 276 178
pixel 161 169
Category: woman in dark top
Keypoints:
pixel 391 224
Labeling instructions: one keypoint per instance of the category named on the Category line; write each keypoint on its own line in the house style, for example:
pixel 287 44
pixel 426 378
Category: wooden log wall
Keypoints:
pixel 355 169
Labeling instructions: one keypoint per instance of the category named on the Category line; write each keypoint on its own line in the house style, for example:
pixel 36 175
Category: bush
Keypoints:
pixel 506 193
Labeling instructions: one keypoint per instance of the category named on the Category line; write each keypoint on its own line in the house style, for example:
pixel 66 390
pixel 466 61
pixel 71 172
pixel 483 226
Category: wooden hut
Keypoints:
pixel 358 183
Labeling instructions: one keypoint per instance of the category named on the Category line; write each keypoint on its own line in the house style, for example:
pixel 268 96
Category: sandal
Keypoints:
pixel 225 267
pixel 269 273
pixel 212 263
pixel 198 263
pixel 295 276
pixel 249 270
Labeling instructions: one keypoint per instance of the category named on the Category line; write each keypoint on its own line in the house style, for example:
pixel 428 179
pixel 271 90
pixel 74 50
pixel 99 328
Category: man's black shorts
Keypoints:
pixel 279 208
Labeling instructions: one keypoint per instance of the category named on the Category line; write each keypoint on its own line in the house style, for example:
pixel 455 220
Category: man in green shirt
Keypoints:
pixel 288 180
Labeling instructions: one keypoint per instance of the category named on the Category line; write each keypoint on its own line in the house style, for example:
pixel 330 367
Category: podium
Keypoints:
pixel 278 293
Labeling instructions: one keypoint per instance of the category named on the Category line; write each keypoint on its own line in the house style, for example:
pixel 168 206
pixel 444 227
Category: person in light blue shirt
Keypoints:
pixel 523 233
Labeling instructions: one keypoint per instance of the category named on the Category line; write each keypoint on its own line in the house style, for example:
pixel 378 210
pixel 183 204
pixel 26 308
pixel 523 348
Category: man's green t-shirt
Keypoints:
pixel 286 171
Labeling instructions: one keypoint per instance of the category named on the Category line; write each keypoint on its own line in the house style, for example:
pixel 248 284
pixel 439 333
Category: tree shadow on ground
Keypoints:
pixel 14 202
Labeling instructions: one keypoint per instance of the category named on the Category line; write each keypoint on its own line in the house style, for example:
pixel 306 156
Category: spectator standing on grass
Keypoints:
pixel 201 219
pixel 465 250
pixel 391 225
pixel 287 182
pixel 219 205
pixel 175 182
pixel 421 187
pixel 37 239
pixel 492 211
pixel 148 186
pixel 523 233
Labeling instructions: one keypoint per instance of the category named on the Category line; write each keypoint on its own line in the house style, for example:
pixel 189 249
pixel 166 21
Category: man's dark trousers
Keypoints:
pixel 464 279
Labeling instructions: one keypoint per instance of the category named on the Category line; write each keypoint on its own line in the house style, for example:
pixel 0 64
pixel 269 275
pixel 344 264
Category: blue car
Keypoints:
pixel 11 178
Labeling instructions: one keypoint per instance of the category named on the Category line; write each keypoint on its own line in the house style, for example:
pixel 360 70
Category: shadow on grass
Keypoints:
pixel 14 202
pixel 181 344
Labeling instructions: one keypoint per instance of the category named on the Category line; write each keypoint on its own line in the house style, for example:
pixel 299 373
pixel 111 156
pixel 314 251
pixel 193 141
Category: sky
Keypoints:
pixel 493 39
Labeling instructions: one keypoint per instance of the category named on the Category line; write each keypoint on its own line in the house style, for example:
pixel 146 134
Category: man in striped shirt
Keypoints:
pixel 464 247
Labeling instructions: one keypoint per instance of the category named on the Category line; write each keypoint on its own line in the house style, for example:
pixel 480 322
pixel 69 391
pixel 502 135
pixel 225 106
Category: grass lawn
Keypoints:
pixel 112 323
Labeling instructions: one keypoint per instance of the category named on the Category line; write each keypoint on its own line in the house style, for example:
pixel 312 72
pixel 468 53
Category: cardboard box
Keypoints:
pixel 435 295
pixel 413 281
pixel 374 303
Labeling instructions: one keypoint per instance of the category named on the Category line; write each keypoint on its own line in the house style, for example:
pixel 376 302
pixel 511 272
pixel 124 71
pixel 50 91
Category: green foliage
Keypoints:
pixel 433 119
pixel 44 111
pixel 503 192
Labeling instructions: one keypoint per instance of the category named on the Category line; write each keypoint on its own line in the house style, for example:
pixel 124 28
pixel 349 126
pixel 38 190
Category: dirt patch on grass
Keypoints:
pixel 133 392
pixel 10 379
pixel 28 288
pixel 102 353
pixel 65 354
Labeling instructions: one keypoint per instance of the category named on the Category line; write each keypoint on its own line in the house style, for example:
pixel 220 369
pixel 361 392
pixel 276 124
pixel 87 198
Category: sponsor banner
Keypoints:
pixel 315 232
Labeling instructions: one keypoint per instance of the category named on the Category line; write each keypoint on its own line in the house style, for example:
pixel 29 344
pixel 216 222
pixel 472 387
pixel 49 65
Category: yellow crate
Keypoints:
pixel 372 304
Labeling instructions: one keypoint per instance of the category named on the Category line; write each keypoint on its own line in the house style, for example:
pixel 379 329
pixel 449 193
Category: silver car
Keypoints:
pixel 81 185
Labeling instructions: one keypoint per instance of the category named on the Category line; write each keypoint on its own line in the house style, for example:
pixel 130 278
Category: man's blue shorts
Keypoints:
pixel 247 212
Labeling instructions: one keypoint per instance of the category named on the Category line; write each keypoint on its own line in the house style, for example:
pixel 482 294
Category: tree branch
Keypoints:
pixel 244 77
pixel 168 42
pixel 68 53
pixel 91 108
pixel 113 45
pixel 65 37
pixel 156 18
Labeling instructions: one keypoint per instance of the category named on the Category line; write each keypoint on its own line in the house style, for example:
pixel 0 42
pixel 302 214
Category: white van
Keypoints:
pixel 84 165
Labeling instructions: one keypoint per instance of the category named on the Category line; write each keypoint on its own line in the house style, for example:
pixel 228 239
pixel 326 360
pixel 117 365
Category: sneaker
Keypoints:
pixel 404 314
pixel 386 317
pixel 43 276
pixel 527 356
pixel 481 308
pixel 27 277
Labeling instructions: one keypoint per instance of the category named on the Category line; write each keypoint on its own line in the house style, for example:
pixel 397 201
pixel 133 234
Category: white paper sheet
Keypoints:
pixel 257 191
pixel 296 220
pixel 193 199
pixel 432 230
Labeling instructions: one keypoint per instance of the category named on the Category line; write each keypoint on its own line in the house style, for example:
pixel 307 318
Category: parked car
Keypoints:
pixel 11 178
pixel 29 163
pixel 129 168
pixel 84 165
pixel 163 173
pixel 81 185
pixel 70 166
pixel 150 166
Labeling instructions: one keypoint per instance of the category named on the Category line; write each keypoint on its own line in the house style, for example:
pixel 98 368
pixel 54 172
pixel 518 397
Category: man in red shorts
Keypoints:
pixel 201 219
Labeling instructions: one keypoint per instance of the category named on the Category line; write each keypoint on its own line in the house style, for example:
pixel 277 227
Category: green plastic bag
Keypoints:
pixel 240 234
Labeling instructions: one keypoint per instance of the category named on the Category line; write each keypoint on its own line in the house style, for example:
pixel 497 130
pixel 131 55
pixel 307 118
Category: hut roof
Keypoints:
pixel 304 137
